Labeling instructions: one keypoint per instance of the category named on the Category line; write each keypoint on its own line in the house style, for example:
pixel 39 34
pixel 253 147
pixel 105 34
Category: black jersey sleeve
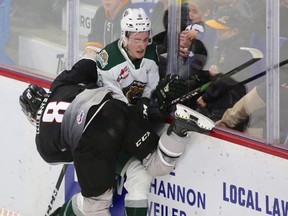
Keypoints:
pixel 84 71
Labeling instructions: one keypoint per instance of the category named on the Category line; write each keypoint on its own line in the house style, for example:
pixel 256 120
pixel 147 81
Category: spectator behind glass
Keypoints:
pixel 161 39
pixel 222 95
pixel 157 17
pixel 198 11
pixel 244 7
pixel 253 106
pixel 231 35
pixel 195 45
pixel 105 26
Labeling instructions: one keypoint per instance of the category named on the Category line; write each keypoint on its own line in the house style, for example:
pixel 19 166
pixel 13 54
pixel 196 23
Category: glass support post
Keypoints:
pixel 272 60
pixel 72 32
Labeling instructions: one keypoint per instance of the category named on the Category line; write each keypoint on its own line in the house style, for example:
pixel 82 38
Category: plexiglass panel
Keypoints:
pixel 33 37
pixel 211 36
pixel 199 40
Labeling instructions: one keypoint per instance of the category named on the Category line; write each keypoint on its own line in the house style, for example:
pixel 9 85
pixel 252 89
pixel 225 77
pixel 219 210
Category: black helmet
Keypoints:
pixel 30 101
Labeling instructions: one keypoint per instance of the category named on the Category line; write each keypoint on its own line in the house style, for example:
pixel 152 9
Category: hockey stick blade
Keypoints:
pixel 256 56
pixel 56 189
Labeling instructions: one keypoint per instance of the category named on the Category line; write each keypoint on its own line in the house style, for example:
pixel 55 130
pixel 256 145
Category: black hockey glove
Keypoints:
pixel 169 88
pixel 150 110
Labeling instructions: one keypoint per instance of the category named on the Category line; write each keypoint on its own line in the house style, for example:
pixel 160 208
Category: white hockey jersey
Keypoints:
pixel 127 80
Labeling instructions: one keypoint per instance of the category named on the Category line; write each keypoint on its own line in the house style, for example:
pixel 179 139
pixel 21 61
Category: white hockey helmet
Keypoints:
pixel 135 20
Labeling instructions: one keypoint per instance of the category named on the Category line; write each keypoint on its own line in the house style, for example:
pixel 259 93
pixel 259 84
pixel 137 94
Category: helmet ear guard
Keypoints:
pixel 135 20
pixel 30 101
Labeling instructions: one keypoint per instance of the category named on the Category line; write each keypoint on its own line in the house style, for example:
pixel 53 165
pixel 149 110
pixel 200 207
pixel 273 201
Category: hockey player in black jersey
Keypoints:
pixel 80 123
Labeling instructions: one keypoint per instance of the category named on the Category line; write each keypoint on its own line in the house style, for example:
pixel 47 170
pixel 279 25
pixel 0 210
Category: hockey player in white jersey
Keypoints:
pixel 129 66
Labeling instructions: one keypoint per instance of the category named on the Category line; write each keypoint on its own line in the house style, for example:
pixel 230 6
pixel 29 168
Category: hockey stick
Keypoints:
pixel 56 189
pixel 284 62
pixel 257 76
pixel 256 56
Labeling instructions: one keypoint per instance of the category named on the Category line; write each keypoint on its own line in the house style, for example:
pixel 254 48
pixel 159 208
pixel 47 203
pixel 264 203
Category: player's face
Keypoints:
pixel 110 5
pixel 137 44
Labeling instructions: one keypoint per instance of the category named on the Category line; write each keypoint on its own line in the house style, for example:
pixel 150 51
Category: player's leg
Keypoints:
pixel 79 205
pixel 139 134
pixel 137 184
pixel 173 142
pixel 157 156
pixel 95 160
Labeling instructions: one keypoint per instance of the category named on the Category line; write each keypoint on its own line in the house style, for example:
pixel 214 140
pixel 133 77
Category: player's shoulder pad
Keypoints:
pixel 109 56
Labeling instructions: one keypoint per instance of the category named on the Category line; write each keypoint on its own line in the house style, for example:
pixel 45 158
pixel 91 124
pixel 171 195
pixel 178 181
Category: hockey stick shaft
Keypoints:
pixel 257 76
pixel 256 56
pixel 56 189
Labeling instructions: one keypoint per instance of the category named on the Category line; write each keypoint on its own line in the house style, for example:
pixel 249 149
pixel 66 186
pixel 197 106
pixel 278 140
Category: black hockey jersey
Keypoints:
pixel 63 90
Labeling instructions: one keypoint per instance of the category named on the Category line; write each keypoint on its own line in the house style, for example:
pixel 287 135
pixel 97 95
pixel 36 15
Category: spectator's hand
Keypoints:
pixel 184 44
pixel 191 34
pixel 213 70
pixel 183 52
pixel 184 39
pixel 200 102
